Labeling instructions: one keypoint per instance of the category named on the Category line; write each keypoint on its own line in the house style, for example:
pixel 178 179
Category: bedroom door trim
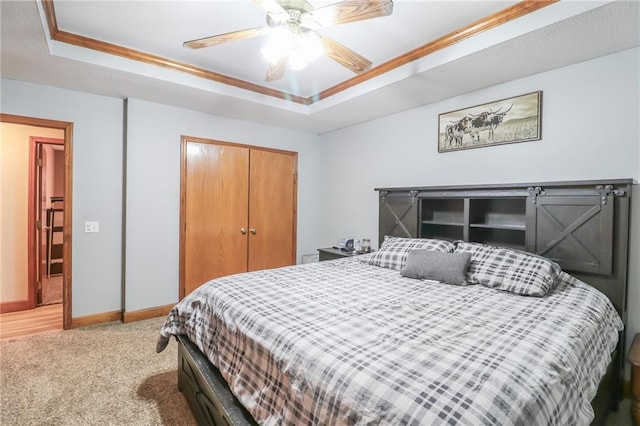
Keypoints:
pixel 67 127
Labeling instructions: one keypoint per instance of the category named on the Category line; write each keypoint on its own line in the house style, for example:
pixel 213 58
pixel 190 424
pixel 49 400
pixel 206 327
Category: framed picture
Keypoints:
pixel 510 120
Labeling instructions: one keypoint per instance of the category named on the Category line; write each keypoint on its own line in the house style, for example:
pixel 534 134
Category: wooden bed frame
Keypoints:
pixel 582 225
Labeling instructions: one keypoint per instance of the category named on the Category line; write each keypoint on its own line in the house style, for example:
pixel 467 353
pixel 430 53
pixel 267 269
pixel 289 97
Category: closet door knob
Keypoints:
pixel 253 231
pixel 243 231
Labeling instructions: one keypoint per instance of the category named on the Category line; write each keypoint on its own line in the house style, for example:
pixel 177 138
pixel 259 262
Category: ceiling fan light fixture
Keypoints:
pixel 305 49
pixel 293 41
pixel 301 47
pixel 279 44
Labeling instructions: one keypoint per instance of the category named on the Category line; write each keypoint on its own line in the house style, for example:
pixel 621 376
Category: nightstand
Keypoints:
pixel 331 253
pixel 634 360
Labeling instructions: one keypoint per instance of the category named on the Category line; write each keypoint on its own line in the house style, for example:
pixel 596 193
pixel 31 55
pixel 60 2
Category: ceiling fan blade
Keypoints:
pixel 273 9
pixel 275 72
pixel 345 56
pixel 346 11
pixel 225 38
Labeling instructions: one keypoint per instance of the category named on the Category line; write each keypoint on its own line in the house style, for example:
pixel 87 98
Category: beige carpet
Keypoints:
pixel 104 374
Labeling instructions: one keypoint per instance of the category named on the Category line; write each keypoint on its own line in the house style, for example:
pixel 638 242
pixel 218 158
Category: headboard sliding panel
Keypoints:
pixel 398 214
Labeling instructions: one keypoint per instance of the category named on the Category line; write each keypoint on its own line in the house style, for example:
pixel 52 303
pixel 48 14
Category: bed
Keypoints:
pixel 387 338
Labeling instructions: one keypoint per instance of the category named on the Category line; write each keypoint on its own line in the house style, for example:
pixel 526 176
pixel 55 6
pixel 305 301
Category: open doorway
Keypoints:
pixel 47 174
pixel 49 226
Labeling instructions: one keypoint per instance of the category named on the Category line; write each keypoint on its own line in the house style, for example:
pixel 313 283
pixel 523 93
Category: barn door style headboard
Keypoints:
pixel 581 225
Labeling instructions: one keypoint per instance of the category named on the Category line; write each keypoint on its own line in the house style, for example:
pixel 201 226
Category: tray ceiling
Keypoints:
pixel 423 52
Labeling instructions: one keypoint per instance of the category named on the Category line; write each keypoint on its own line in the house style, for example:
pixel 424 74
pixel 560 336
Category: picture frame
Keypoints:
pixel 509 120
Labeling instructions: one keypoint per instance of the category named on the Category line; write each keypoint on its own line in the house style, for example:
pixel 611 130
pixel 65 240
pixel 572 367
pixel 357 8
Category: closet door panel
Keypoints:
pixel 272 210
pixel 216 212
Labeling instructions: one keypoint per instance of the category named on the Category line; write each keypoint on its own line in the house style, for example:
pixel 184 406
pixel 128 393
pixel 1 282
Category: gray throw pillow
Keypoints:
pixel 448 268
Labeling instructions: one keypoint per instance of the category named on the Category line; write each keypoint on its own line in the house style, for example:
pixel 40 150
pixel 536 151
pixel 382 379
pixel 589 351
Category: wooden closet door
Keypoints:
pixel 272 209
pixel 216 210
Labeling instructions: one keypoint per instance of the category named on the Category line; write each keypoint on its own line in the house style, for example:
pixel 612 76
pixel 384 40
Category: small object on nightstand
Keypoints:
pixel 634 360
pixel 349 245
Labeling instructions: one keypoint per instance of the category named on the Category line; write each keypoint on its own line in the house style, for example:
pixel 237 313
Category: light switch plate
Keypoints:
pixel 92 227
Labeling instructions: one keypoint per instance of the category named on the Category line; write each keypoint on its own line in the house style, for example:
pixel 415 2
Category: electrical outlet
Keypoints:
pixel 92 227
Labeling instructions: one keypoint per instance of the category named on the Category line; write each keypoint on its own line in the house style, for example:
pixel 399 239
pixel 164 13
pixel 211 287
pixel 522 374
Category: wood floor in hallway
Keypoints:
pixel 33 321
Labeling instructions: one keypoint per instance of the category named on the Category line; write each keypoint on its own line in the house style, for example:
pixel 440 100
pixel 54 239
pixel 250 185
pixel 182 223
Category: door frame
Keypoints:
pixel 184 140
pixel 67 127
pixel 34 272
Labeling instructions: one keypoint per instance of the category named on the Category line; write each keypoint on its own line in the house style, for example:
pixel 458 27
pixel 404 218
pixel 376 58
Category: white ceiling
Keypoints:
pixel 557 35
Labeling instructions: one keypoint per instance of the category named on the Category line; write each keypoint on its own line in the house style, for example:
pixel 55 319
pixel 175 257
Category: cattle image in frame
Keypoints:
pixel 510 120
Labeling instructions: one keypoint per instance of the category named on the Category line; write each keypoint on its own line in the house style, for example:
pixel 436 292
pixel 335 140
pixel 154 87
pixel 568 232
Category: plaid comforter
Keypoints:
pixel 343 342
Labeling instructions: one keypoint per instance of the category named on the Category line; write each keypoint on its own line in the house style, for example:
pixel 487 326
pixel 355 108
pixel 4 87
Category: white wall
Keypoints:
pixel 97 185
pixel 589 131
pixel 153 190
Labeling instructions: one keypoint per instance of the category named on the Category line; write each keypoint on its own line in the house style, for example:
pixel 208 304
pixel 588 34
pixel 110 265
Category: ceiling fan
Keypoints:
pixel 294 41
